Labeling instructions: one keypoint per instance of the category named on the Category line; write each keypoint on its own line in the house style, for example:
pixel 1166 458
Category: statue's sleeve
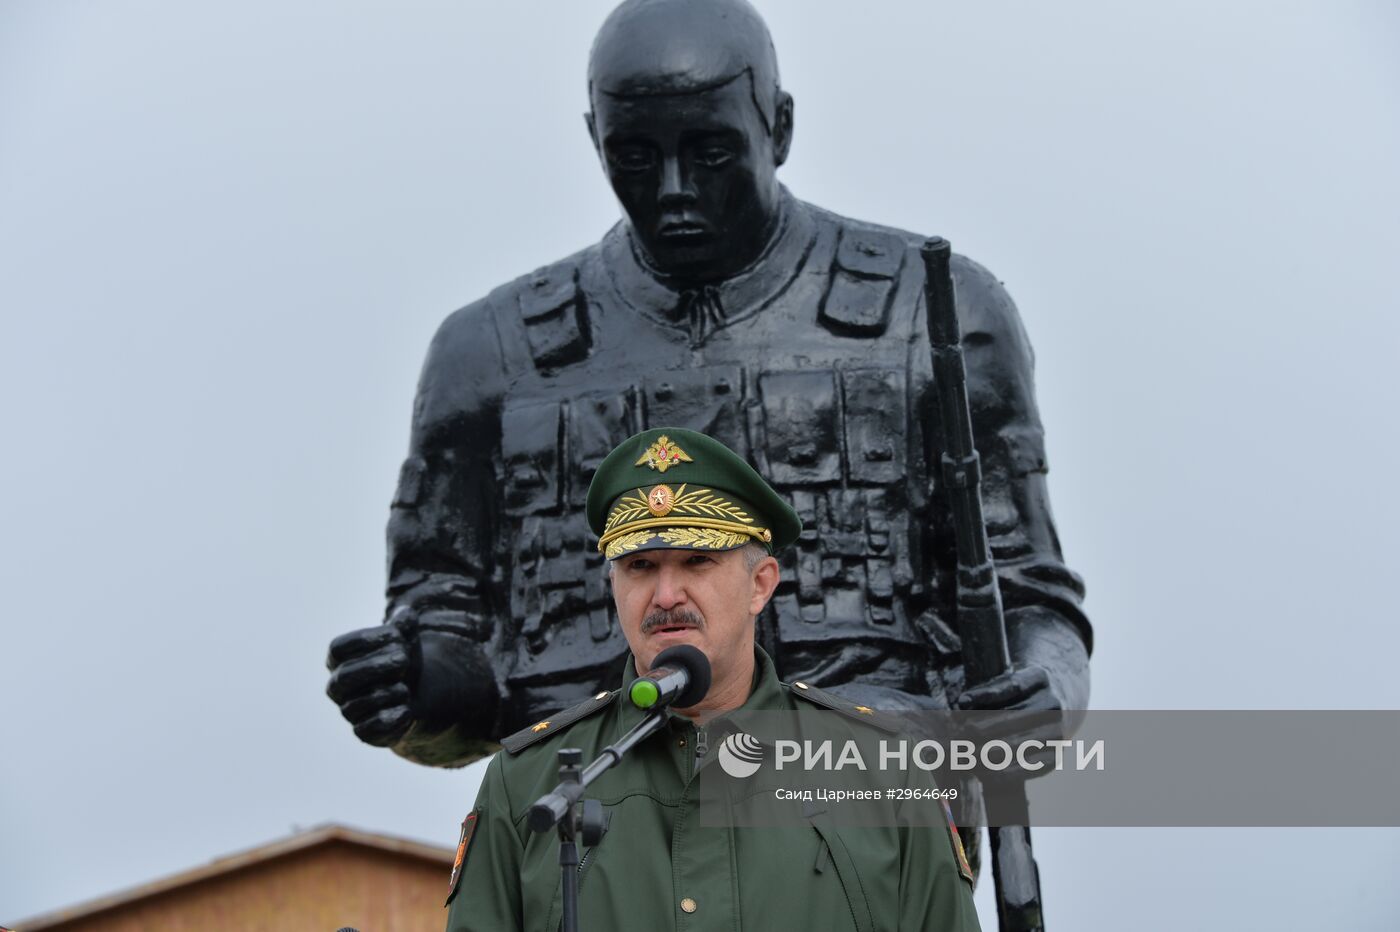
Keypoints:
pixel 1011 441
pixel 443 575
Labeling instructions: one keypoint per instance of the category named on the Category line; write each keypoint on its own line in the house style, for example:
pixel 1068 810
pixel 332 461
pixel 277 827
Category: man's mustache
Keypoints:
pixel 671 618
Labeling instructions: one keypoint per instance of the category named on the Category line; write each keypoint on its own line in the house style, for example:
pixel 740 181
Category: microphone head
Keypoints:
pixel 697 668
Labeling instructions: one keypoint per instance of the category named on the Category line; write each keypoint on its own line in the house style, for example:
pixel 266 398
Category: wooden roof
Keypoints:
pixel 301 841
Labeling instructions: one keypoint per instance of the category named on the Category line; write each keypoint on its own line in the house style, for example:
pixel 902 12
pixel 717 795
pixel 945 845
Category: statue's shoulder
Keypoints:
pixel 867 267
pixel 530 296
pixel 544 317
pixel 855 234
pixel 868 251
pixel 536 319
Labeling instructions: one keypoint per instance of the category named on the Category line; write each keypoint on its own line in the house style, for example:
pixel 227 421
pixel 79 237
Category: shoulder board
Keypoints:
pixel 555 314
pixel 861 713
pixel 525 737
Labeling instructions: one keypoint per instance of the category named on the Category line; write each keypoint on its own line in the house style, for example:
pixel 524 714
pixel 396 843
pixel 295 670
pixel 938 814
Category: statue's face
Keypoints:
pixel 696 175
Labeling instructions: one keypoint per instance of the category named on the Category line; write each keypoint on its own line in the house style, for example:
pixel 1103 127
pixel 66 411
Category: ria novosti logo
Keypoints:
pixel 740 755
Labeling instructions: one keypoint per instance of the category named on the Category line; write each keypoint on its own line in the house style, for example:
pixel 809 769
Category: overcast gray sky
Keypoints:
pixel 228 230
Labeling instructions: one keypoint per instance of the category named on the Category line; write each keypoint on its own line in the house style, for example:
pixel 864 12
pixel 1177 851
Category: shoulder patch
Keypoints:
pixel 864 275
pixel 464 844
pixel 861 713
pixel 545 728
pixel 555 314
pixel 959 854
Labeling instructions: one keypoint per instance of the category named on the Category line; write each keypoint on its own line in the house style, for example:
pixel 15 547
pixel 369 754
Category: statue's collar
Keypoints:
pixel 700 311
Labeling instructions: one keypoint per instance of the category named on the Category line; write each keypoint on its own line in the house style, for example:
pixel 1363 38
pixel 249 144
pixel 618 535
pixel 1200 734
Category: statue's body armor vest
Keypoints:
pixel 814 388
pixel 814 365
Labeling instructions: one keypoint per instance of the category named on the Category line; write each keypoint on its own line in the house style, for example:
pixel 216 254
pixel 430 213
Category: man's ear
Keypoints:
pixel 593 132
pixel 765 581
pixel 782 128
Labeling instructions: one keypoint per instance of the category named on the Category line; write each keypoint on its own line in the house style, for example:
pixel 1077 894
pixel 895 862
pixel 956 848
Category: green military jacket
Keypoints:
pixel 657 868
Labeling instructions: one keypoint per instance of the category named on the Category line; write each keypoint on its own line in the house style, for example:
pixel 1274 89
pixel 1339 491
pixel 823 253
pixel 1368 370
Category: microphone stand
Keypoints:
pixel 561 807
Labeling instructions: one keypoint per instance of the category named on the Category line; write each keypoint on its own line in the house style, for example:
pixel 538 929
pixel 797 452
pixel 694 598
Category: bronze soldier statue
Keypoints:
pixel 721 302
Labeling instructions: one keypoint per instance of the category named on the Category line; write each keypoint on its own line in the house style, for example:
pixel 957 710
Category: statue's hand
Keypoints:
pixel 453 684
pixel 369 681
pixel 1024 688
pixel 421 684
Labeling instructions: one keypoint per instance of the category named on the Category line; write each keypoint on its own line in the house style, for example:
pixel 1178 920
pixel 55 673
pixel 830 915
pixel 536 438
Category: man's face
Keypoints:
pixel 704 598
pixel 696 174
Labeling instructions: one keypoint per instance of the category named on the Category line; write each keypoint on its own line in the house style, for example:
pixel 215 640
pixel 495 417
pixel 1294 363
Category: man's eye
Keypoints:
pixel 633 160
pixel 713 156
pixel 698 558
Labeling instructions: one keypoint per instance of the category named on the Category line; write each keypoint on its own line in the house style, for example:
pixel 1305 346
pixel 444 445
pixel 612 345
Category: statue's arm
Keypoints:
pixel 423 683
pixel 1048 633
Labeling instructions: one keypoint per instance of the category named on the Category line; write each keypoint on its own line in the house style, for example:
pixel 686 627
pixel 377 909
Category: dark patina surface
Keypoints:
pixel 722 303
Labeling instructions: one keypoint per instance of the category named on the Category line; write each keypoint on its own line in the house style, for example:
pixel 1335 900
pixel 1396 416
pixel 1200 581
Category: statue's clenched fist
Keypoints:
pixel 421 684
pixel 370 675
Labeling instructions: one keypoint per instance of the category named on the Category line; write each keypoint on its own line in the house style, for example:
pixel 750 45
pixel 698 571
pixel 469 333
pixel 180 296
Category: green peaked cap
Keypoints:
pixel 676 489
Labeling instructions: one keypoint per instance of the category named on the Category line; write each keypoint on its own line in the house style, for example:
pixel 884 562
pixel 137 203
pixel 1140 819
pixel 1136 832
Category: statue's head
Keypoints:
pixel 691 126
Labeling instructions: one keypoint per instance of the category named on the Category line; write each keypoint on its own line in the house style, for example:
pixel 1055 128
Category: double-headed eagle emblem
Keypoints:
pixel 663 454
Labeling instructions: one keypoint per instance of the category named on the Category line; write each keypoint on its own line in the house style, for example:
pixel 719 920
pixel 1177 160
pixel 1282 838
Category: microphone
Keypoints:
pixel 679 676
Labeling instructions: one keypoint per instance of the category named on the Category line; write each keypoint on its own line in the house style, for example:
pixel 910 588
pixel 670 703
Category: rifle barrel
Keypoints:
pixel 981 620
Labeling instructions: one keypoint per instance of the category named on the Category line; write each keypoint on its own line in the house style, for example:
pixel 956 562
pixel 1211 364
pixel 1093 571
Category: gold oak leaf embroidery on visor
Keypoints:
pixel 701 538
pixel 699 517
pixel 628 542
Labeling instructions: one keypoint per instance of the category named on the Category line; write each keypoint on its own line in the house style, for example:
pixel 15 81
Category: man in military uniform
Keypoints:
pixel 721 303
pixel 688 528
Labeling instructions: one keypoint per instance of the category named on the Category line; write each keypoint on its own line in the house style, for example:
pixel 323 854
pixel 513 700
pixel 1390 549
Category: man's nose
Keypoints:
pixel 670 588
pixel 675 183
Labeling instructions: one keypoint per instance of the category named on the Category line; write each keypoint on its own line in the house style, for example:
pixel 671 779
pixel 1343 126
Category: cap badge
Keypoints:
pixel 660 499
pixel 663 454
